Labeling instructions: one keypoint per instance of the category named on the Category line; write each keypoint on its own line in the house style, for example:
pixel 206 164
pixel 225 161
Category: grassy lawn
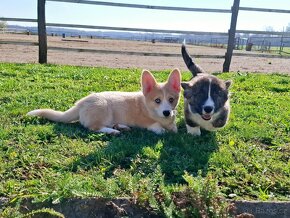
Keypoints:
pixel 49 161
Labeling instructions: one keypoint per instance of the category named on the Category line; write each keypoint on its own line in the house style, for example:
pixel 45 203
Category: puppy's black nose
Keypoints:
pixel 208 109
pixel 166 113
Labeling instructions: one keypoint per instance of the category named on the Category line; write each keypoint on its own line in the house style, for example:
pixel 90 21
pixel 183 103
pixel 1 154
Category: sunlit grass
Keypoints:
pixel 51 161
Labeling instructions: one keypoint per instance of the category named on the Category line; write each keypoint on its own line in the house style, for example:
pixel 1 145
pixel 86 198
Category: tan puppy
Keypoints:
pixel 109 112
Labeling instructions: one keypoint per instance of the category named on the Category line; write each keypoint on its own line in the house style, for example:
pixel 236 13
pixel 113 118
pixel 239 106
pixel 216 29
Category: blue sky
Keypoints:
pixel 70 13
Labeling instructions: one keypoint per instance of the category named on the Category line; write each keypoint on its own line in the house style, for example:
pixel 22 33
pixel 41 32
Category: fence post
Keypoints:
pixel 231 39
pixel 42 38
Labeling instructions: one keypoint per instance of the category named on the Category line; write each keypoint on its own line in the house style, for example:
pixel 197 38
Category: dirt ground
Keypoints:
pixel 29 54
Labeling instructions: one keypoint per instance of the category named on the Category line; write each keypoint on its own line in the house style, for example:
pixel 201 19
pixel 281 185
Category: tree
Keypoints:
pixel 3 25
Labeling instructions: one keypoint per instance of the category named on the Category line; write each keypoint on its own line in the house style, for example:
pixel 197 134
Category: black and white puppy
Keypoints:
pixel 206 99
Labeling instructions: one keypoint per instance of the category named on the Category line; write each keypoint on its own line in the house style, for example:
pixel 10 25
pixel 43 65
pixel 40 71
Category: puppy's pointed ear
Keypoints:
pixel 148 82
pixel 187 89
pixel 228 83
pixel 174 80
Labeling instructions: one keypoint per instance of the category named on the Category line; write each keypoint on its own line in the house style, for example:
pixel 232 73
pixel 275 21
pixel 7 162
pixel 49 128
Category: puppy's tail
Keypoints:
pixel 194 68
pixel 68 116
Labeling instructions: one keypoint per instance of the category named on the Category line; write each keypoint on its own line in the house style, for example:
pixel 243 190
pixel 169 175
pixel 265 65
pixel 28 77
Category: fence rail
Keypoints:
pixel 263 32
pixel 231 34
pixel 264 10
pixel 18 19
pixel 135 29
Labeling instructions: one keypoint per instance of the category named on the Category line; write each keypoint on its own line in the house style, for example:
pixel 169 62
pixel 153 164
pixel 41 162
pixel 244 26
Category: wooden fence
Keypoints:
pixel 42 36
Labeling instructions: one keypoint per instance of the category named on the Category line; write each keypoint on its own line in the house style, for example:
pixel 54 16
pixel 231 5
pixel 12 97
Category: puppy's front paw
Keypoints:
pixel 159 131
pixel 157 128
pixel 193 130
pixel 110 131
pixel 173 128
pixel 121 127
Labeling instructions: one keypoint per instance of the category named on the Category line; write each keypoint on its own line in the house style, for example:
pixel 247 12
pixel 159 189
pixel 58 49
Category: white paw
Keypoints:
pixel 173 128
pixel 109 131
pixel 121 127
pixel 159 131
pixel 193 130
pixel 157 128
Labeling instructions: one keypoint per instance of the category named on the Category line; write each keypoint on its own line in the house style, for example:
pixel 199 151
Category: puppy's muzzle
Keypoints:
pixel 208 109
pixel 207 112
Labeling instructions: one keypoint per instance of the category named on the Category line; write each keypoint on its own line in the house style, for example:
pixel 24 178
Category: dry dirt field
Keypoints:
pixel 29 54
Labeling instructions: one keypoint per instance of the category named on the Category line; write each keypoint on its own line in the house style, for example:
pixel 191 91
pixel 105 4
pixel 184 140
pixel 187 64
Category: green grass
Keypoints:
pixel 50 161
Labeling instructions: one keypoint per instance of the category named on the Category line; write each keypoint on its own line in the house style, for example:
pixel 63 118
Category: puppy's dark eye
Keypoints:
pixel 158 100
pixel 171 100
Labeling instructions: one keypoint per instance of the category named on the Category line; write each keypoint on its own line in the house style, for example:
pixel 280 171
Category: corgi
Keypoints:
pixel 153 108
pixel 206 99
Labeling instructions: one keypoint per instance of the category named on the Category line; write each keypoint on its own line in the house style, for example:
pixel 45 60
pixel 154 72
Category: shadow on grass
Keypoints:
pixel 184 152
pixel 132 150
pixel 115 152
